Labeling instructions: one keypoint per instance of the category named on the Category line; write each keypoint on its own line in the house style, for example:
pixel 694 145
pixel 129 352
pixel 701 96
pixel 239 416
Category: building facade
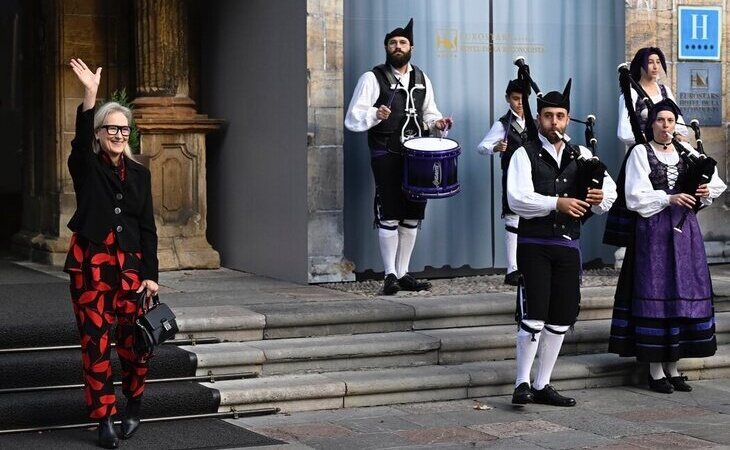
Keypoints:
pixel 240 108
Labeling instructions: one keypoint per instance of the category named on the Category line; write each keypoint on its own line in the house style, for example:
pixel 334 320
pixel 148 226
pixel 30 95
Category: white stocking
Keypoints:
pixel 510 242
pixel 548 354
pixel 388 240
pixel 656 370
pixel 406 242
pixel 525 355
pixel 670 368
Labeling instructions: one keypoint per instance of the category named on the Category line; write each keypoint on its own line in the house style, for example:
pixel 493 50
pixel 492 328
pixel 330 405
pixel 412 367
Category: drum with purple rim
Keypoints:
pixel 430 168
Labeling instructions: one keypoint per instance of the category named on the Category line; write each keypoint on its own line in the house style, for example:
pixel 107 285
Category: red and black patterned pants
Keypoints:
pixel 103 283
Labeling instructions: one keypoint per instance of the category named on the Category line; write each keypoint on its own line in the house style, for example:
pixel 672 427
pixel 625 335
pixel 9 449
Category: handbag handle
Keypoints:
pixel 143 296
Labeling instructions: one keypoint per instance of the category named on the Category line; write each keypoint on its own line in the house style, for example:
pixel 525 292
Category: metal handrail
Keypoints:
pixel 188 341
pixel 210 378
pixel 233 414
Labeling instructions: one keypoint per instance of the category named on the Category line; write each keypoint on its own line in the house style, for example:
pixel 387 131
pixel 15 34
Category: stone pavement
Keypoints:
pixel 604 418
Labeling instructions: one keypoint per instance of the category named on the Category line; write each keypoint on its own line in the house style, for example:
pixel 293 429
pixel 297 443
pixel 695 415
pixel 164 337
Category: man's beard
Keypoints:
pixel 398 60
pixel 551 136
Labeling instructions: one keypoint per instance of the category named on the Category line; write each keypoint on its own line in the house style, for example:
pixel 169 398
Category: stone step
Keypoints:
pixel 461 345
pixel 342 389
pixel 366 315
pixel 318 354
pixel 395 349
pixel 492 309
pixel 281 320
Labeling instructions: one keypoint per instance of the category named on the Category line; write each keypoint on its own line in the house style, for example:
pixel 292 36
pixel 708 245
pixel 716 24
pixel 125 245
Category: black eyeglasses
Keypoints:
pixel 112 130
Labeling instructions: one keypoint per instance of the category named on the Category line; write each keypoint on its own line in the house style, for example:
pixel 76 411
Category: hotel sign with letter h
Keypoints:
pixel 700 32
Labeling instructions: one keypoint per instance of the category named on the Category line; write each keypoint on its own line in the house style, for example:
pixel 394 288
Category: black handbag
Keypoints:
pixel 153 327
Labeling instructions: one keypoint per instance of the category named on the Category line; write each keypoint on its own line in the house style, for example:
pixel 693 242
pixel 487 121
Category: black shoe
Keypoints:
pixel 549 396
pixel 408 283
pixel 130 423
pixel 661 385
pixel 512 278
pixel 679 384
pixel 522 395
pixel 390 285
pixel 107 436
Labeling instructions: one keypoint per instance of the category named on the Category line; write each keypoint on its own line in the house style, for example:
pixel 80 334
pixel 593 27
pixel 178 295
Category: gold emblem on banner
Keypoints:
pixel 451 42
pixel 447 42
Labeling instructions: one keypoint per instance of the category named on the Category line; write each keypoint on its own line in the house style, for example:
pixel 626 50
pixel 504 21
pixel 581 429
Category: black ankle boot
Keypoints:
pixel 130 423
pixel 107 436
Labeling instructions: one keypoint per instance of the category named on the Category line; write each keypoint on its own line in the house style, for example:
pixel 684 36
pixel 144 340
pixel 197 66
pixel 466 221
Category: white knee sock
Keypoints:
pixel 388 240
pixel 548 354
pixel 670 368
pixel 656 370
pixel 525 355
pixel 406 242
pixel 510 241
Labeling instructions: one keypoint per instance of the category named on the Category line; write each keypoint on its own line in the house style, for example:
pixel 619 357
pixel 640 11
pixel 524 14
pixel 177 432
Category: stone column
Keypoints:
pixel 324 143
pixel 172 134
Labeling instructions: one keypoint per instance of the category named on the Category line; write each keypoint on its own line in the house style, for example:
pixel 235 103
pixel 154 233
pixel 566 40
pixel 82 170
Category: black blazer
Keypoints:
pixel 104 203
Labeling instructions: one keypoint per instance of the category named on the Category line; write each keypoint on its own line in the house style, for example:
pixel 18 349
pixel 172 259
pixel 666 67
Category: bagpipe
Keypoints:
pixel 620 221
pixel 626 83
pixel 591 171
pixel 700 169
pixel 625 77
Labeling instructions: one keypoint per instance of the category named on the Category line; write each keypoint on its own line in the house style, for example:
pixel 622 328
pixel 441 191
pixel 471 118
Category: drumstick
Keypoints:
pixel 392 95
pixel 390 100
pixel 506 130
pixel 447 126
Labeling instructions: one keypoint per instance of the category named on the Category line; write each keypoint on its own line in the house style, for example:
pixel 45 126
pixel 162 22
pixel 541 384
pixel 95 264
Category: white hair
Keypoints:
pixel 100 116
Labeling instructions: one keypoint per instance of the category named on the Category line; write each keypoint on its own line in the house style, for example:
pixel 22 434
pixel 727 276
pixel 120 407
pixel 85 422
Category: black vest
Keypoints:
pixel 551 180
pixel 515 139
pixel 658 172
pixel 386 134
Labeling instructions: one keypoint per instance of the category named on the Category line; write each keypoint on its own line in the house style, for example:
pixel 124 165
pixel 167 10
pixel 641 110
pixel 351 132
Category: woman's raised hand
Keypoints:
pixel 89 79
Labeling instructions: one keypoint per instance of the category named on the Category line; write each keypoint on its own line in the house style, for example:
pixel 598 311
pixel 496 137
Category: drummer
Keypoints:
pixel 378 106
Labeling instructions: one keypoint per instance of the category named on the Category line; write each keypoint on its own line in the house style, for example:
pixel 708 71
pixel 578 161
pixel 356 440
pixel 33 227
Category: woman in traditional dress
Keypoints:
pixel 113 254
pixel 646 68
pixel 663 309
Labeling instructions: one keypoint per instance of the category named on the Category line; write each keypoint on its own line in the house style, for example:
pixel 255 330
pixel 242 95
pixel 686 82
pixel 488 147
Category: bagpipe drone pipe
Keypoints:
pixel 700 169
pixel 591 171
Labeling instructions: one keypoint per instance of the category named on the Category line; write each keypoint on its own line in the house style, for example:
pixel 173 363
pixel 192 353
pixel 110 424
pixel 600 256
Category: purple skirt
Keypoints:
pixel 671 278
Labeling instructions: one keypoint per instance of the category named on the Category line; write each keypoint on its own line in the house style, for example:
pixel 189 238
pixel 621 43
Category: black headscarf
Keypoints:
pixel 665 105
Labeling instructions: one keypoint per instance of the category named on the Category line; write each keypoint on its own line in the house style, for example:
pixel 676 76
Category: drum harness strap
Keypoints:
pixel 417 81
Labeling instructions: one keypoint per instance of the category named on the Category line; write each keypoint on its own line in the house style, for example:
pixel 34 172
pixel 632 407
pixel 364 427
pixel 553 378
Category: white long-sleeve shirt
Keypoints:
pixel 361 114
pixel 624 126
pixel 527 203
pixel 641 195
pixel 495 135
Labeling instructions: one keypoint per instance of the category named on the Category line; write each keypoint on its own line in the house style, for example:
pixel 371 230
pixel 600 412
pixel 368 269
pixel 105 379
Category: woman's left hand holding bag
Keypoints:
pixel 151 288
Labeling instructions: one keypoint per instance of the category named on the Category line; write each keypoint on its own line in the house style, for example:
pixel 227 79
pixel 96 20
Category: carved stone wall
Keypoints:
pixel 325 165
pixel 57 31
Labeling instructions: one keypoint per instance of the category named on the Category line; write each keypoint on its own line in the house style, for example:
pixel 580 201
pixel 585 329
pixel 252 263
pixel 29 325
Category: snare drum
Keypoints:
pixel 429 169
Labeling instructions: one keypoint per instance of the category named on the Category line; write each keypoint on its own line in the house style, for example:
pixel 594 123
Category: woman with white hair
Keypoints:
pixel 112 258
